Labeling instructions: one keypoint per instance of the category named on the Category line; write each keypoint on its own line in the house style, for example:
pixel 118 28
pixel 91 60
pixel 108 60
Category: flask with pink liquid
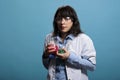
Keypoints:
pixel 54 47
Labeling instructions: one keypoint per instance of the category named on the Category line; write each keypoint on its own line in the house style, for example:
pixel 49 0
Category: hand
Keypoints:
pixel 64 55
pixel 50 49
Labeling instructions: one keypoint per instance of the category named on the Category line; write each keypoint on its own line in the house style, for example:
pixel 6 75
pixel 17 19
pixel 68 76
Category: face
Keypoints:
pixel 64 24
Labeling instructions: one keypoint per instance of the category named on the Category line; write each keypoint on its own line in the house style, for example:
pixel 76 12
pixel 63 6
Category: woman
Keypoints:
pixel 78 54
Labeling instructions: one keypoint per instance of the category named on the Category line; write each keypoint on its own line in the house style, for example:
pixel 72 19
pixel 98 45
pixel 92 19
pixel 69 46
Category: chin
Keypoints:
pixel 64 31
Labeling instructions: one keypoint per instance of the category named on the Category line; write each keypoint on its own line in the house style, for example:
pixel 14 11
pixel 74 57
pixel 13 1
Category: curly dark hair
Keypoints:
pixel 66 11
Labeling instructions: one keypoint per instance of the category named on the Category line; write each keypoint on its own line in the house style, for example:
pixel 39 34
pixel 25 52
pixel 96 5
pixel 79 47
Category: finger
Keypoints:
pixel 51 47
pixel 51 50
pixel 60 55
pixel 64 49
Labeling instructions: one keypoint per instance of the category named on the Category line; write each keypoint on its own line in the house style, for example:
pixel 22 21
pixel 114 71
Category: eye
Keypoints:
pixel 58 19
pixel 67 18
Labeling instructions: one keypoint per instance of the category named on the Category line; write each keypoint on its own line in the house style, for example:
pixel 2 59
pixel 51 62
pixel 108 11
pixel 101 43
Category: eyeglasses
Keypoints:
pixel 65 18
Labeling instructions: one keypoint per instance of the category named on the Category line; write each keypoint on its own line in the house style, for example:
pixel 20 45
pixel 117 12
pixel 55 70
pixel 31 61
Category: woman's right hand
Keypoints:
pixel 50 49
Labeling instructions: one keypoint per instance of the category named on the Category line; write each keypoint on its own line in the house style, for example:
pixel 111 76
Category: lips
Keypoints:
pixel 63 27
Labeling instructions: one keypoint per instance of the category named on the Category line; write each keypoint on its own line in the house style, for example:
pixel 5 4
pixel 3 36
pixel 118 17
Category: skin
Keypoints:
pixel 64 26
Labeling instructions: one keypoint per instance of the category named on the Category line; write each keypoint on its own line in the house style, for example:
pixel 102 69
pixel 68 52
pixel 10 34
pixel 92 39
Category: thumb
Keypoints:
pixel 64 49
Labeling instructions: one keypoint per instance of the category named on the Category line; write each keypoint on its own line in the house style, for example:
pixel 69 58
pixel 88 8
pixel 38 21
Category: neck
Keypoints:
pixel 63 36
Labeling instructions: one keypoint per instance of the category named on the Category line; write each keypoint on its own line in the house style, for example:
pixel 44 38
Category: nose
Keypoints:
pixel 63 21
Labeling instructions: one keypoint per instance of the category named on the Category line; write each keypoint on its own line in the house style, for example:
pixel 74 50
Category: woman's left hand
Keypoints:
pixel 64 55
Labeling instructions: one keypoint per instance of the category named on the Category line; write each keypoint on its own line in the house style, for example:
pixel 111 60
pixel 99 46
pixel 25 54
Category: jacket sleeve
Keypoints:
pixel 87 57
pixel 45 60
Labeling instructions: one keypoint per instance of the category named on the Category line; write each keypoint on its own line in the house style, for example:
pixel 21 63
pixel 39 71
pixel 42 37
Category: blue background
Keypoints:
pixel 24 24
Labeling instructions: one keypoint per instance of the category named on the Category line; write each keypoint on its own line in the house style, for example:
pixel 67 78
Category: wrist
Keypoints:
pixel 45 55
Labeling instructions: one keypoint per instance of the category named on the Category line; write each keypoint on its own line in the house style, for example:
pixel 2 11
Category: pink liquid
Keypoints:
pixel 55 48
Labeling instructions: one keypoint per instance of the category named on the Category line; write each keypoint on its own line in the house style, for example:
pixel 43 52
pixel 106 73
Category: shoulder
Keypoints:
pixel 83 36
pixel 49 35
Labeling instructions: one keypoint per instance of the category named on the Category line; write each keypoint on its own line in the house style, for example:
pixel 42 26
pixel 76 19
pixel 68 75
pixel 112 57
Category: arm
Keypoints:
pixel 79 61
pixel 48 51
pixel 87 57
pixel 45 58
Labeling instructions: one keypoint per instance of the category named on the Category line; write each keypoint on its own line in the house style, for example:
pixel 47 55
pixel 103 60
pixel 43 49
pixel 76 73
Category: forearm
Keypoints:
pixel 79 62
pixel 45 60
